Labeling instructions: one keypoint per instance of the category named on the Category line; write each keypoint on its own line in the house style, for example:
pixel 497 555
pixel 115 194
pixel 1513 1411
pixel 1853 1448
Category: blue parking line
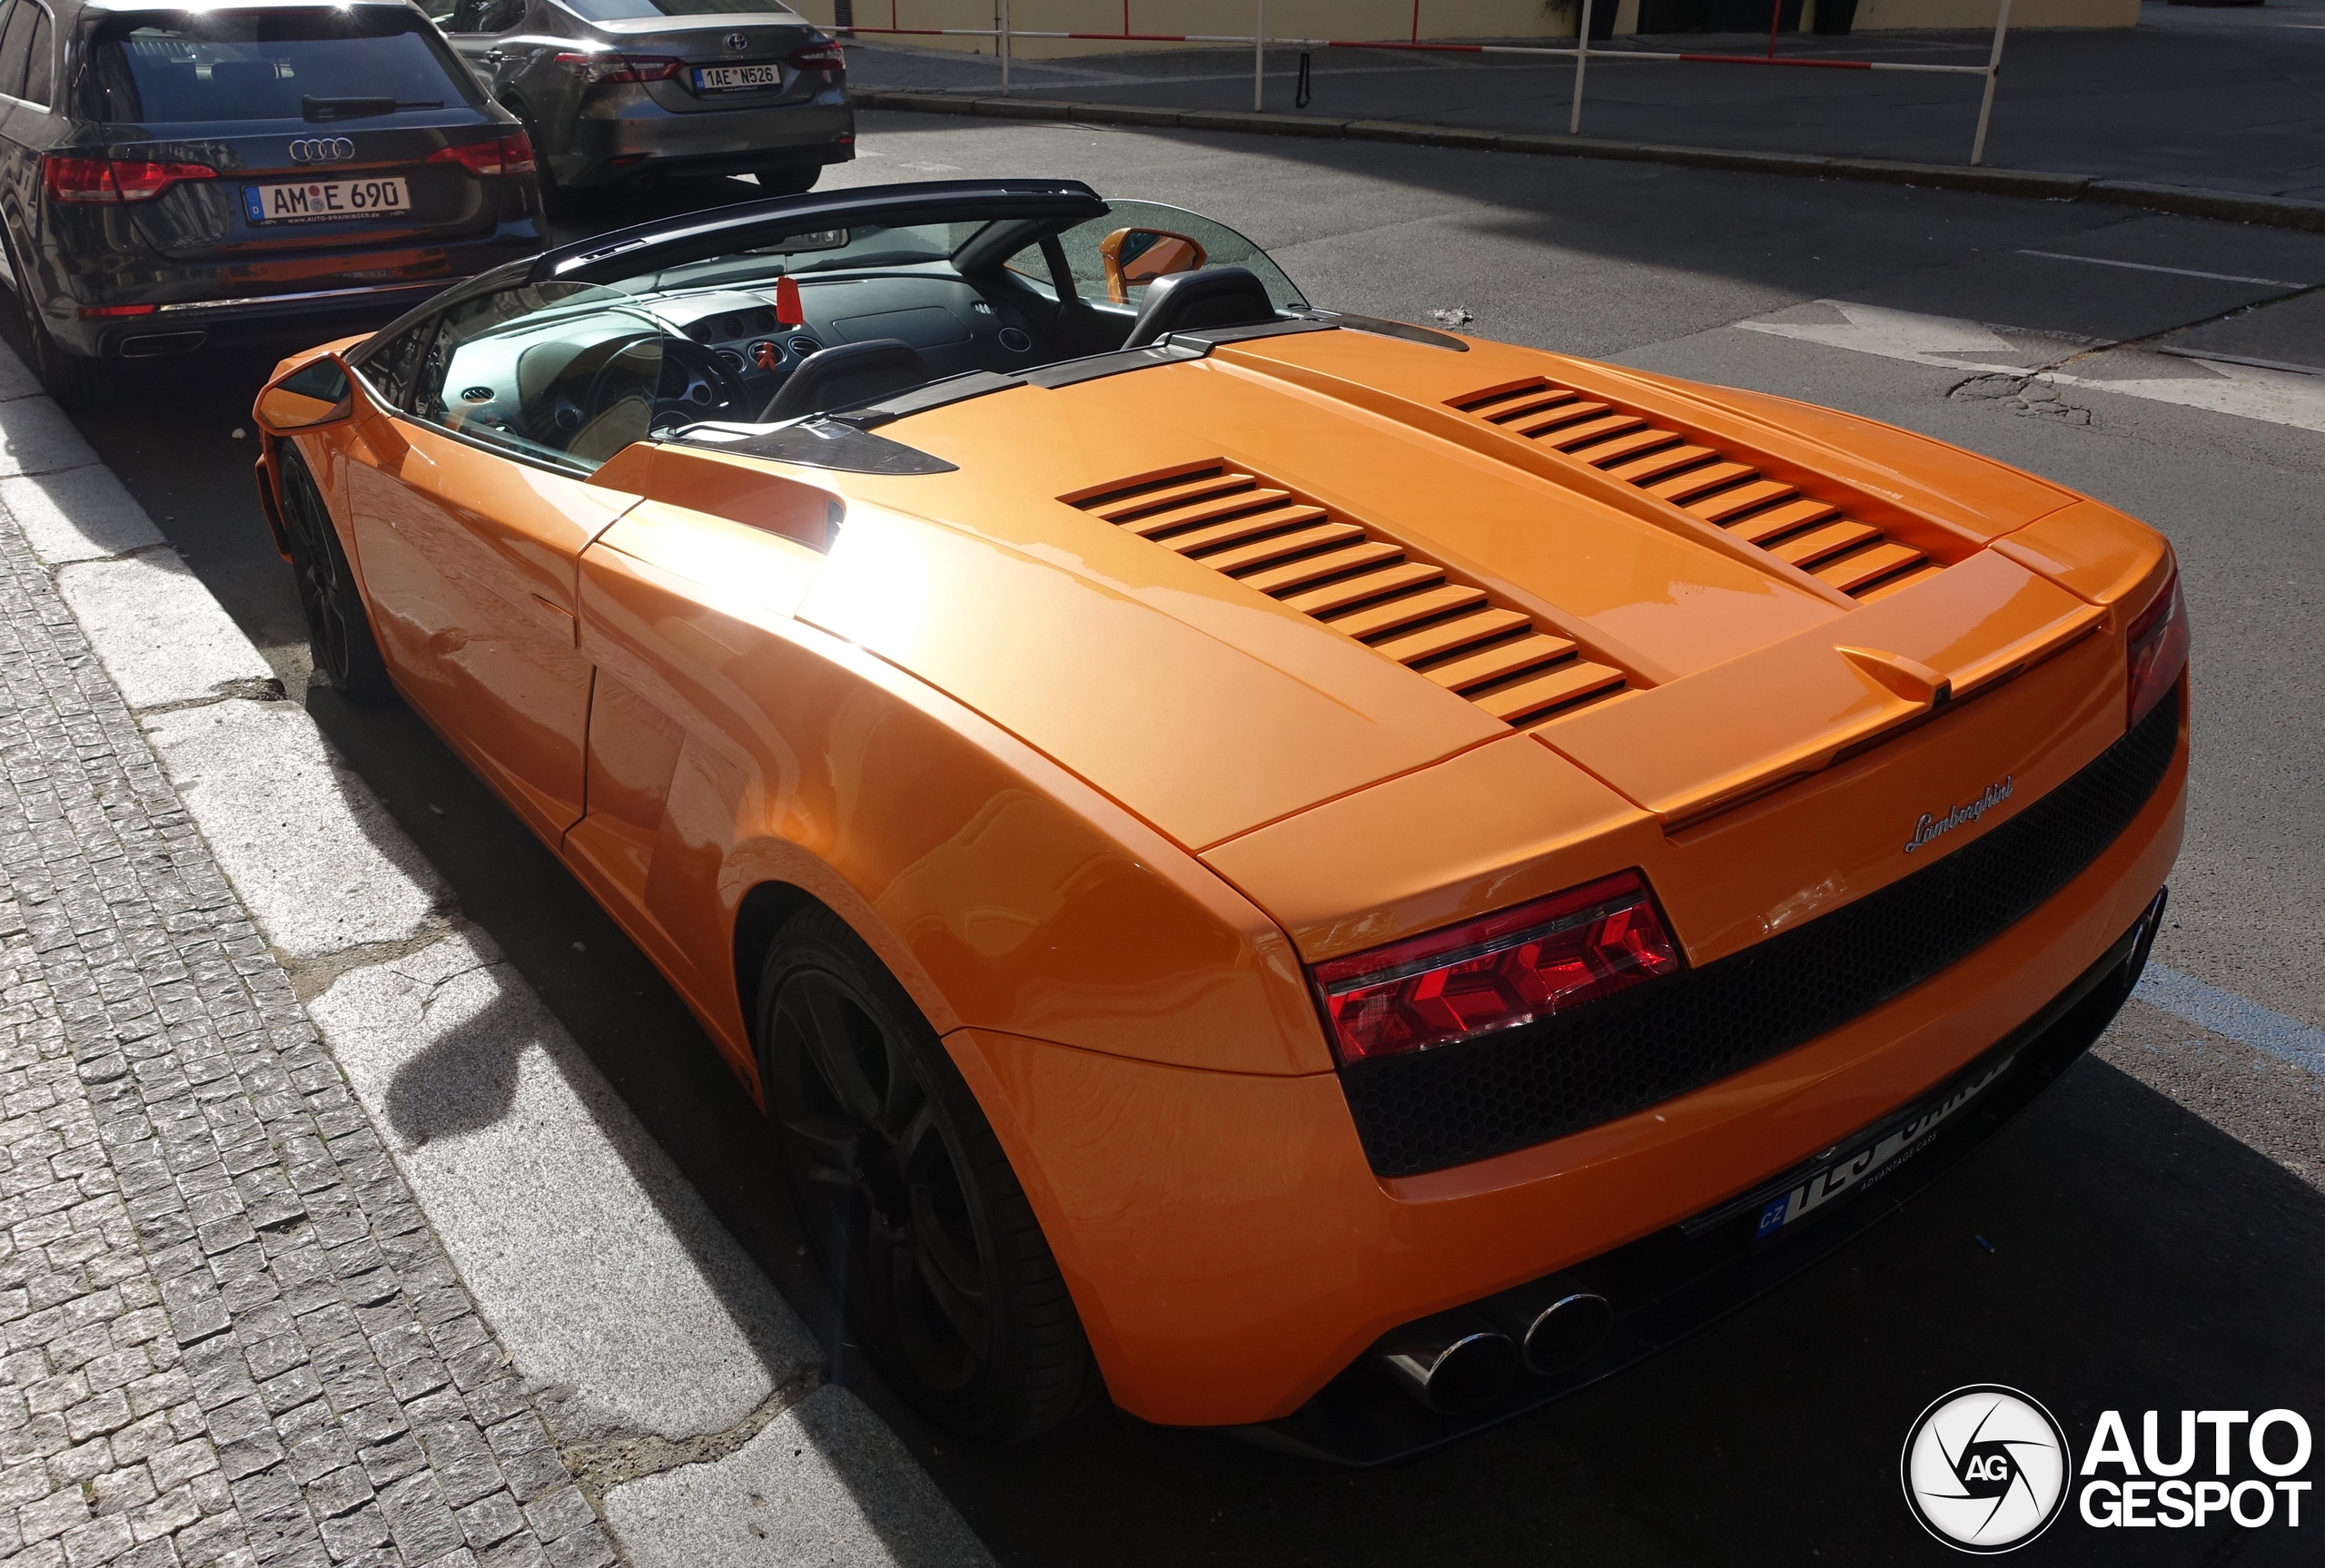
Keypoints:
pixel 2225 1012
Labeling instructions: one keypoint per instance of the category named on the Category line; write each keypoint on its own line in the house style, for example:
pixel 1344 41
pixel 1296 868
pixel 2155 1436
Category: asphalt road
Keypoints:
pixel 2150 1236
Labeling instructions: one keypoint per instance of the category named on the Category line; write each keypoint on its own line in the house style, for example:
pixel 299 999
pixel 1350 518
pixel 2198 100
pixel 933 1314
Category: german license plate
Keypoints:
pixel 726 78
pixel 325 200
pixel 1870 1159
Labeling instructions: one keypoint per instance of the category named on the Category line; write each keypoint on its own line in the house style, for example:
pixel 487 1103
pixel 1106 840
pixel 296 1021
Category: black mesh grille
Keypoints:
pixel 1527 1085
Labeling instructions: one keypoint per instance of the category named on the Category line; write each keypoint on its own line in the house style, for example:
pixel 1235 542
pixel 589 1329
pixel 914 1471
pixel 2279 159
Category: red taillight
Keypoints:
pixel 619 67
pixel 101 312
pixel 510 154
pixel 113 180
pixel 819 57
pixel 1497 972
pixel 2157 650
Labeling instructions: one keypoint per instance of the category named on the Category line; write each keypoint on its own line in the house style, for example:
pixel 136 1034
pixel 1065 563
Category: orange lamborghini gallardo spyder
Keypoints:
pixel 1306 873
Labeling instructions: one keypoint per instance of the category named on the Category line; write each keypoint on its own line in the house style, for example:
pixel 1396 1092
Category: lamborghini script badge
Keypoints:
pixel 1931 827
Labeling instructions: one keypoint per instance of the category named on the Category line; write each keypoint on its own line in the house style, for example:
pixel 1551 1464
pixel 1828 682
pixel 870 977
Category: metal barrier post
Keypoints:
pixel 1003 42
pixel 1994 69
pixel 1581 55
pixel 1259 53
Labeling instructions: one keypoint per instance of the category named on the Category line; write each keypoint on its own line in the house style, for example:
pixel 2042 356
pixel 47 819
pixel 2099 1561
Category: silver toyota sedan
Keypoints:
pixel 621 91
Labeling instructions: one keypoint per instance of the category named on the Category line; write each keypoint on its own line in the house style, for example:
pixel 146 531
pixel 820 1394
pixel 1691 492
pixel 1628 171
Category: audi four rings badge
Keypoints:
pixel 322 149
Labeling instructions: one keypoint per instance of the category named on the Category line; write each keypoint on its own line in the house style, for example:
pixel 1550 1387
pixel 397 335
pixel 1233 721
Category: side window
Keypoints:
pixel 39 73
pixel 484 15
pixel 390 367
pixel 1032 267
pixel 562 374
pixel 15 47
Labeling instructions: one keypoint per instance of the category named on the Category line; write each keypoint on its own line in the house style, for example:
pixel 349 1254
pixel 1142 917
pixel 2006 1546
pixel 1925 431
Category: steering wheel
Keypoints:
pixel 696 384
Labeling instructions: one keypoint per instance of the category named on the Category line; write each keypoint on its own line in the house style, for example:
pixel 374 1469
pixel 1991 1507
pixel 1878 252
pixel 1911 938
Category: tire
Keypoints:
pixel 788 179
pixel 339 629
pixel 906 1198
pixel 75 380
pixel 557 201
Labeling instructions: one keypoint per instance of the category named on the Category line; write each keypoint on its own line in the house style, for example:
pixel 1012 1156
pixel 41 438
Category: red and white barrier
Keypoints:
pixel 1580 52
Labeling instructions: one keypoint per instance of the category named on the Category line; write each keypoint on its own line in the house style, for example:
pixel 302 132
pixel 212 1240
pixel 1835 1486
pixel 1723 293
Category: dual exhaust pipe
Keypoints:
pixel 1457 1361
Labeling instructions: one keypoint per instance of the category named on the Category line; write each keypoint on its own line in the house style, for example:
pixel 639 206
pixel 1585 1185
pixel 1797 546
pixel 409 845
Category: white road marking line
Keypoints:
pixel 2175 271
pixel 2225 1012
pixel 2280 396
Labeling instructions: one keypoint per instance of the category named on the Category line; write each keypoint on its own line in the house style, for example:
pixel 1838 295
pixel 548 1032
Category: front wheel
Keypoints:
pixel 906 1198
pixel 788 180
pixel 74 379
pixel 339 629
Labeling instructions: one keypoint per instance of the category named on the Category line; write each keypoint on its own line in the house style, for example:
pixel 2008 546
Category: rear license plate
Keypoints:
pixel 1869 1158
pixel 727 78
pixel 325 200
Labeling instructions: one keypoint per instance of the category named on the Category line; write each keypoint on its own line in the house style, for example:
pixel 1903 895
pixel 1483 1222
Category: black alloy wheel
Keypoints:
pixel 905 1196
pixel 788 179
pixel 339 629
pixel 75 380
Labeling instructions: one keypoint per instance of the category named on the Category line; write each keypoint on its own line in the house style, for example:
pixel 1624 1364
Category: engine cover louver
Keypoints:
pixel 1841 552
pixel 1348 576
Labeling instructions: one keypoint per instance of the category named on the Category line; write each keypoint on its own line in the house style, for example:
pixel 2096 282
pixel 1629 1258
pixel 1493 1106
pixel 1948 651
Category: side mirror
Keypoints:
pixel 316 394
pixel 1141 255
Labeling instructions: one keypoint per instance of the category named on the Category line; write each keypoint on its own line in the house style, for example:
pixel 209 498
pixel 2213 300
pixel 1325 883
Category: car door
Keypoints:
pixel 468 530
pixel 475 28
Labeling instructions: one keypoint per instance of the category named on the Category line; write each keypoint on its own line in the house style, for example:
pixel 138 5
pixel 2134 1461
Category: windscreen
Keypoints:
pixel 629 10
pixel 164 67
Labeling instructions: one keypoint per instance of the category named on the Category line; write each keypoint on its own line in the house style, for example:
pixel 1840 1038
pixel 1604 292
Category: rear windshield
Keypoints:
pixel 160 67
pixel 630 10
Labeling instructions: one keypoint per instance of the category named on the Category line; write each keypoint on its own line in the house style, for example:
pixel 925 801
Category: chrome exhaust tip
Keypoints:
pixel 1557 1323
pixel 1453 1363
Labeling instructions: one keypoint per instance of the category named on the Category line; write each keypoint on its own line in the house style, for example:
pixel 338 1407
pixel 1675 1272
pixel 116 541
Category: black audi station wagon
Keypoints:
pixel 172 178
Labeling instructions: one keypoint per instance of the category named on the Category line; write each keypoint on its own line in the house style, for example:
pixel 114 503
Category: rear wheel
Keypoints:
pixel 903 1192
pixel 557 201
pixel 788 180
pixel 74 379
pixel 339 629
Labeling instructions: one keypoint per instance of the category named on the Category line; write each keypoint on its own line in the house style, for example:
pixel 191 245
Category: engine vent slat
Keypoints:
pixel 1315 569
pixel 1397 577
pixel 1853 557
pixel 1338 570
pixel 1237 560
pixel 1536 696
pixel 1449 636
pixel 1500 662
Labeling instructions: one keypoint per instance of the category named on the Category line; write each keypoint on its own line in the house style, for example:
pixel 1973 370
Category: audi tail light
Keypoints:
pixel 510 154
pixel 596 68
pixel 818 57
pixel 2157 650
pixel 113 180
pixel 1497 972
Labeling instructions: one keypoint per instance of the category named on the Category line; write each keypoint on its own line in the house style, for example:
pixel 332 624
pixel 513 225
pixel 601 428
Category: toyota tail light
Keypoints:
pixel 818 57
pixel 510 154
pixel 2156 650
pixel 595 68
pixel 113 180
pixel 1497 972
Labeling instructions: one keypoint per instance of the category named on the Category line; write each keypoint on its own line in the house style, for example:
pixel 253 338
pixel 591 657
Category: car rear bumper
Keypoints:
pixel 1232 1253
pixel 646 139
pixel 200 305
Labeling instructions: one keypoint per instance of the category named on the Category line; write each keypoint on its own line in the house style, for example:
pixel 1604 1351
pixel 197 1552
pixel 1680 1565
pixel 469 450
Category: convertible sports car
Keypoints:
pixel 1314 874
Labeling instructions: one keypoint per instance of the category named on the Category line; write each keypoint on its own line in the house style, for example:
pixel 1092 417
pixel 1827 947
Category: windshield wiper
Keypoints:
pixel 319 109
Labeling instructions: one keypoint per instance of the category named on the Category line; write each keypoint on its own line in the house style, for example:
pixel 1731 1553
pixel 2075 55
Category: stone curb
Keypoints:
pixel 2231 206
pixel 684 1344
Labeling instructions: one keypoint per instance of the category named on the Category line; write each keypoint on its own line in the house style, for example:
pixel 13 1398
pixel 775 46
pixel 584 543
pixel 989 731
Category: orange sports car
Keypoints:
pixel 1308 874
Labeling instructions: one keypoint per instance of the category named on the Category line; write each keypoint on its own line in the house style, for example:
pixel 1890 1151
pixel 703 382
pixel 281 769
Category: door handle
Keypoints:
pixel 496 57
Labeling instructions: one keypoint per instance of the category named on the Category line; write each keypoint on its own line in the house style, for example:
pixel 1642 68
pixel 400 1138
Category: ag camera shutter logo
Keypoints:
pixel 1986 1469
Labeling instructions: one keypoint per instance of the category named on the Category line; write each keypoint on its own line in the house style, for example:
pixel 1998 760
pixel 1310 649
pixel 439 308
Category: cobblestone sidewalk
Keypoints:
pixel 227 1334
